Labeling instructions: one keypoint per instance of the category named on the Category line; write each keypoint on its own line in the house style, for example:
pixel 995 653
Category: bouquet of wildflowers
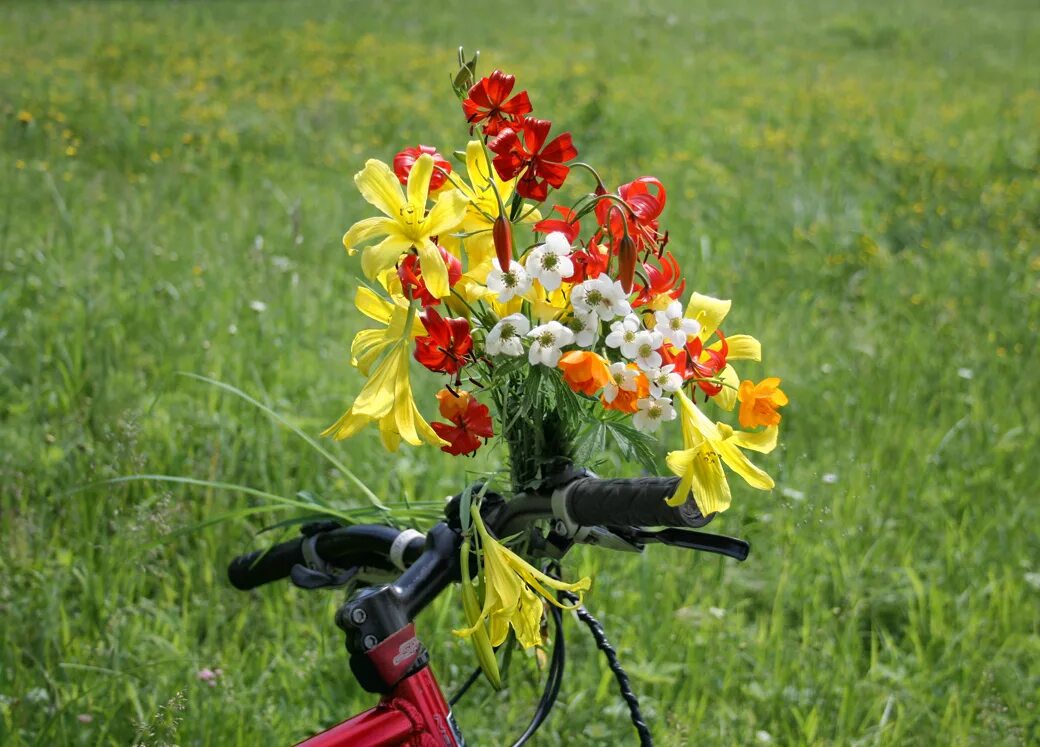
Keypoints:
pixel 549 322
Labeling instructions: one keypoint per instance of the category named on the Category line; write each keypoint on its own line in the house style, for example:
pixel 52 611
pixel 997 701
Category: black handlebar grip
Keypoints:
pixel 630 502
pixel 263 566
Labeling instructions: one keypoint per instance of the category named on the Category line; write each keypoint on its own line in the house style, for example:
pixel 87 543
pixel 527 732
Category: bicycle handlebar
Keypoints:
pixel 366 545
pixel 585 501
pixel 630 502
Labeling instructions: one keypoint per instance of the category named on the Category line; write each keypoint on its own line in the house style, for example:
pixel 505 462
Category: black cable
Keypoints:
pixel 465 686
pixel 552 681
pixel 645 739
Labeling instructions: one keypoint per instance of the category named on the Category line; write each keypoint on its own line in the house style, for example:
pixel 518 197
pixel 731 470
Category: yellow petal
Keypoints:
pixel 388 432
pixel 447 213
pixel 375 259
pixel 380 187
pixel 710 486
pixel 372 305
pixel 377 397
pixel 709 311
pixel 736 461
pixel 349 424
pixel 368 344
pixel 419 183
pixel 681 465
pixel 697 427
pixel 741 348
pixel 763 441
pixel 434 271
pixel 477 167
pixel 727 397
pixel 366 229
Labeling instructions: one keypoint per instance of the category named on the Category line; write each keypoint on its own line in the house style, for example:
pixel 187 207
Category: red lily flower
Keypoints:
pixel 470 421
pixel 523 154
pixel 660 281
pixel 589 263
pixel 644 207
pixel 404 161
pixel 570 226
pixel 445 347
pixel 486 102
pixel 712 364
pixel 412 284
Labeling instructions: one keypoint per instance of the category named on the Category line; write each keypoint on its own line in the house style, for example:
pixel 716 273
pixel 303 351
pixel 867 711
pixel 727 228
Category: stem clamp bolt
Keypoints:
pixel 358 616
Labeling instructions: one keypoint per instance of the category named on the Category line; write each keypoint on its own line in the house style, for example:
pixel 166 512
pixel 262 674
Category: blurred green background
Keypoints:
pixel 861 180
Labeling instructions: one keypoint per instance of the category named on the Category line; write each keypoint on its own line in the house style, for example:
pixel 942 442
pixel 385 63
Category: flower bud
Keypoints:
pixel 627 263
pixel 502 232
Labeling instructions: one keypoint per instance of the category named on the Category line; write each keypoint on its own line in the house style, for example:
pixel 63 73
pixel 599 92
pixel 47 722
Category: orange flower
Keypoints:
pixel 625 400
pixel 451 404
pixel 758 402
pixel 584 372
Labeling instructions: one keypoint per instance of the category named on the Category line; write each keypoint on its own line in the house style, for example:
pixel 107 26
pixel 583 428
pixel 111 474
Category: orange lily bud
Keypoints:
pixel 627 263
pixel 502 233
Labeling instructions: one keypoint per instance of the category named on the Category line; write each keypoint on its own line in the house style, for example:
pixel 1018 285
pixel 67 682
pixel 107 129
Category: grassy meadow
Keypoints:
pixel 862 180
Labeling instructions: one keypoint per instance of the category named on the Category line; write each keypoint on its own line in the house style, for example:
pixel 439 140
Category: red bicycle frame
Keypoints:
pixel 414 714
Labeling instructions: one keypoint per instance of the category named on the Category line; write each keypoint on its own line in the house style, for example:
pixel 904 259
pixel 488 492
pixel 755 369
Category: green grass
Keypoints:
pixel 862 181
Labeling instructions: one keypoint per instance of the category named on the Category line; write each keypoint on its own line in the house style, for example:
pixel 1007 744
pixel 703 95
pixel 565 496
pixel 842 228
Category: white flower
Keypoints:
pixel 507 284
pixel 663 380
pixel 547 341
pixel 585 328
pixel 623 335
pixel 550 263
pixel 621 377
pixel 674 326
pixel 646 345
pixel 652 412
pixel 604 296
pixel 504 337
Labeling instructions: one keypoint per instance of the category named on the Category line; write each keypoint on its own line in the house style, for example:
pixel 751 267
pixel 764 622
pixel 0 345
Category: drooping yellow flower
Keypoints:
pixel 710 312
pixel 706 445
pixel 368 344
pixel 387 398
pixel 510 583
pixel 406 223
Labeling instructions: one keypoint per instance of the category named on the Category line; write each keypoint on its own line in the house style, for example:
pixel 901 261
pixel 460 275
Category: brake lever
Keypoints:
pixel 692 540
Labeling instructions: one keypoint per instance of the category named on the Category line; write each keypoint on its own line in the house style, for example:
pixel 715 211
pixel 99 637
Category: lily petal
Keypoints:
pixel 709 311
pixel 380 188
pixel 763 441
pixel 419 183
pixel 727 396
pixel 741 348
pixel 375 259
pixel 366 229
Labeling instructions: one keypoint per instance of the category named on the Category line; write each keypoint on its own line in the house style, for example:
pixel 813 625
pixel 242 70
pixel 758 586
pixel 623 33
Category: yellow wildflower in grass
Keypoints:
pixel 405 224
pixel 510 583
pixel 387 398
pixel 710 312
pixel 758 402
pixel 706 445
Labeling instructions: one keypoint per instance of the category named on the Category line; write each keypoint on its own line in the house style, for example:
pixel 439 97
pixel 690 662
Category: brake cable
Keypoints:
pixel 645 739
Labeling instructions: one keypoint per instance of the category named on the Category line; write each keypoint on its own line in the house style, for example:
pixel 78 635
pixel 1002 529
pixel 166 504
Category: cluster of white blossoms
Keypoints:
pixel 593 303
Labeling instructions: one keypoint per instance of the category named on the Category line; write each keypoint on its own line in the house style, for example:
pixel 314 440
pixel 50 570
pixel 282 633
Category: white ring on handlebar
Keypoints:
pixel 400 544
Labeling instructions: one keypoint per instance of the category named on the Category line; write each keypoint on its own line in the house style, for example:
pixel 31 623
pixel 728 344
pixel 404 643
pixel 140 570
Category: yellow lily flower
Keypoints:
pixel 368 344
pixel 406 224
pixel 710 312
pixel 706 445
pixel 510 583
pixel 387 398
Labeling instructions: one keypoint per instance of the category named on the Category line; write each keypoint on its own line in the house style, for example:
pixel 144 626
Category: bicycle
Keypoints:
pixel 386 656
